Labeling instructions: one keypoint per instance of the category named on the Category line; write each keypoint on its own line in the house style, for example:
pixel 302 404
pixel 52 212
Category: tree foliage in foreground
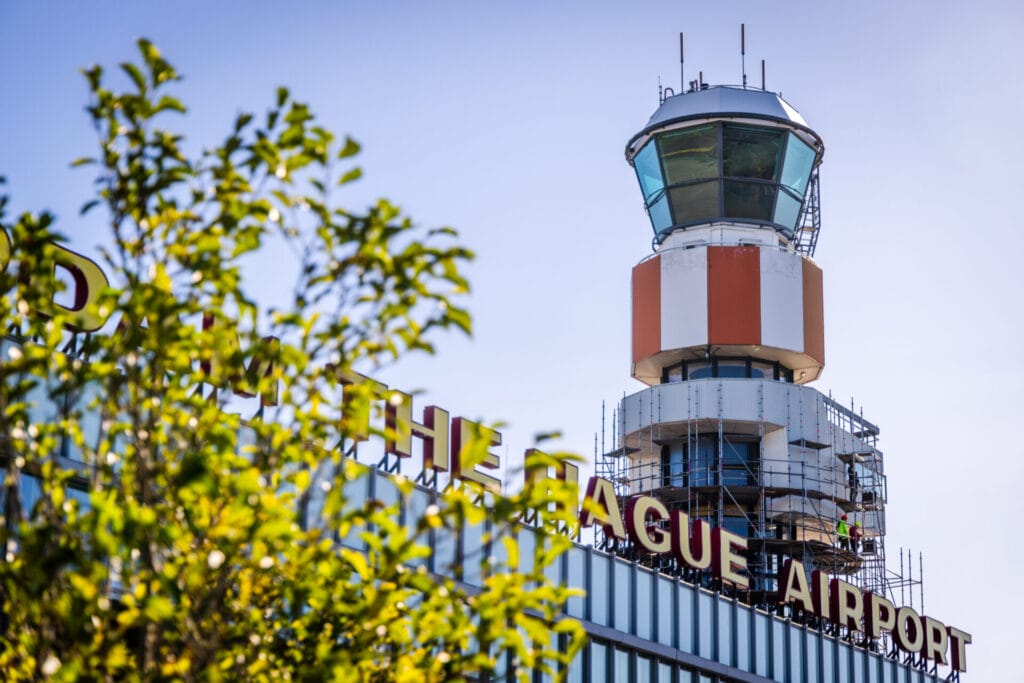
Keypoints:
pixel 171 538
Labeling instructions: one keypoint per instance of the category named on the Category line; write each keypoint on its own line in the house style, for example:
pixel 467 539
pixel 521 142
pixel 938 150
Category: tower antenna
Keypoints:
pixel 682 71
pixel 743 53
pixel 762 75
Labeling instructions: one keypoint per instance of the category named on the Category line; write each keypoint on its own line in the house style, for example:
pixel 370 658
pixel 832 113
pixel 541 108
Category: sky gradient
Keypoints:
pixel 508 121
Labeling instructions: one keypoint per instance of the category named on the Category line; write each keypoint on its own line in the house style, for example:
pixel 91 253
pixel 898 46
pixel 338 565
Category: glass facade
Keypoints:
pixel 648 626
pixel 731 171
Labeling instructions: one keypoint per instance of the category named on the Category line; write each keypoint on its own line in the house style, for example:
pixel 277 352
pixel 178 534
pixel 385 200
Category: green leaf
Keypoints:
pixel 354 174
pixel 136 75
pixel 350 148
pixel 168 102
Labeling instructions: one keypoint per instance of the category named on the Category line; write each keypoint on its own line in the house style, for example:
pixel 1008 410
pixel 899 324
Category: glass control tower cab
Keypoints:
pixel 728 330
pixel 725 174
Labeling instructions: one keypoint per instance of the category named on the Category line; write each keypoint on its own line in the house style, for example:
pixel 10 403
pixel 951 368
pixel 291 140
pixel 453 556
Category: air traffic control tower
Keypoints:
pixel 728 330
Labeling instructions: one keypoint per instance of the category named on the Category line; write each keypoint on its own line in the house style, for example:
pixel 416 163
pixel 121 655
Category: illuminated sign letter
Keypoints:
pixel 726 563
pixel 793 585
pixel 909 632
pixel 847 604
pixel 564 471
pixel 958 640
pixel 87 281
pixel 261 365
pixel 819 594
pixel 935 640
pixel 357 394
pixel 691 545
pixel 880 614
pixel 601 507
pixel 401 428
pixel 653 539
pixel 463 450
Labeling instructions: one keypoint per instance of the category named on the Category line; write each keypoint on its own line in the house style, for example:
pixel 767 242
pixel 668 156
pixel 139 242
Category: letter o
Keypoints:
pixel 909 631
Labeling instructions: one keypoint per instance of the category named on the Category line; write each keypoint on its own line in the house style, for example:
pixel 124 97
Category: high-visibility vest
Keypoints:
pixel 843 529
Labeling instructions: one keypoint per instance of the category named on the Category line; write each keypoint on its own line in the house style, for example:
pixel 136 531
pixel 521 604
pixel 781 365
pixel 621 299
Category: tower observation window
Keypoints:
pixel 737 172
pixel 691 154
pixel 726 367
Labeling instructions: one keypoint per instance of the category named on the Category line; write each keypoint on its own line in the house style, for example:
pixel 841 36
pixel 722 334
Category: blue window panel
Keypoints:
pixel 743 616
pixel 874 667
pixel 577 567
pixel 828 660
pixel 796 655
pixel 666 611
pixel 888 667
pixel 623 595
pixel 811 653
pixel 356 492
pixel 725 640
pixel 787 210
pixel 778 651
pixel 858 665
pixel 553 572
pixel 762 643
pixel 598 661
pixel 705 624
pixel 643 669
pixel 575 672
pixel 415 507
pixel 648 170
pixel 545 676
pixel 472 553
pixel 599 590
pixel 444 558
pixel 644 603
pixel 843 657
pixel 385 490
pixel 684 617
pixel 89 421
pixel 796 169
pixel 660 217
pixel 527 546
pixel 622 666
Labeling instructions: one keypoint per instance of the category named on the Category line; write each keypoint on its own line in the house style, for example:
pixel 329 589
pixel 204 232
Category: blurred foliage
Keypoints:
pixel 171 538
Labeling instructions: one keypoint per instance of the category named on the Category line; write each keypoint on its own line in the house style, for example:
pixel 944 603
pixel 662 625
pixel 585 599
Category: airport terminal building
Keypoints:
pixel 741 526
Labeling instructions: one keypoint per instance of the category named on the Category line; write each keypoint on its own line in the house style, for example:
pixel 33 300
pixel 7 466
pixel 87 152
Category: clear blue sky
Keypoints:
pixel 508 121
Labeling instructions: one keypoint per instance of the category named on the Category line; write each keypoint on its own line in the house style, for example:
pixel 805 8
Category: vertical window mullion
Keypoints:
pixel 721 168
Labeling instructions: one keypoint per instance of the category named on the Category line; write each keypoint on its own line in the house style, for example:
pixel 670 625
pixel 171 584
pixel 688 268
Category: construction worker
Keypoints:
pixel 856 533
pixel 843 532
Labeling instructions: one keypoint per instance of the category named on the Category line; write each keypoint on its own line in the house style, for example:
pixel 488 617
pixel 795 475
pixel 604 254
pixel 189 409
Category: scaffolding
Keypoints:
pixel 785 499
